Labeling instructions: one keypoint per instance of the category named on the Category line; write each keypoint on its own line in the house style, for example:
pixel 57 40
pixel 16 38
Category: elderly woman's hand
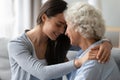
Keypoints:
pixel 104 51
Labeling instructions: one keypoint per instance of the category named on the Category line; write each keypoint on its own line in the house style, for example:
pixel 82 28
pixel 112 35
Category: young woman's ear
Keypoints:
pixel 44 17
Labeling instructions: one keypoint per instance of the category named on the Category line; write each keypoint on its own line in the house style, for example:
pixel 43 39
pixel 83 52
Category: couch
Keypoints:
pixel 5 66
pixel 4 60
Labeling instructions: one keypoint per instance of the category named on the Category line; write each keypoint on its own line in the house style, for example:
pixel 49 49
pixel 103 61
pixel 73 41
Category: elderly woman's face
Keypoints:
pixel 72 34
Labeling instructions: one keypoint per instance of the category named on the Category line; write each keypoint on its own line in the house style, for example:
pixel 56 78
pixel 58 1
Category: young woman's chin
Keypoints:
pixel 53 38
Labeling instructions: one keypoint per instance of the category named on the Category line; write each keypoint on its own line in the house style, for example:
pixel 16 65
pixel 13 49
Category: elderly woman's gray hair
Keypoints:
pixel 86 19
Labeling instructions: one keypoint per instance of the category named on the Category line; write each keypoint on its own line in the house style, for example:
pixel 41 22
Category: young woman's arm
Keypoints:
pixel 20 53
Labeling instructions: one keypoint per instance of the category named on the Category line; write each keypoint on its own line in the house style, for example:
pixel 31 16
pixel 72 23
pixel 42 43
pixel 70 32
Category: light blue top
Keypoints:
pixel 93 70
pixel 25 66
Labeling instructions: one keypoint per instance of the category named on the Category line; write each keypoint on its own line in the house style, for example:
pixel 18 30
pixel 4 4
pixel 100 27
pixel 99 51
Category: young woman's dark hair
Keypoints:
pixel 51 8
pixel 56 50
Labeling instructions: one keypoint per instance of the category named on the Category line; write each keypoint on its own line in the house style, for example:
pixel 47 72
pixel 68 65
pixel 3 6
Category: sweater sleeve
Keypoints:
pixel 20 53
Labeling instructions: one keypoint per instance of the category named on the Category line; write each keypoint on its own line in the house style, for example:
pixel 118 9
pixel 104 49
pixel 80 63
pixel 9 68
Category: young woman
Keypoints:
pixel 39 53
pixel 85 29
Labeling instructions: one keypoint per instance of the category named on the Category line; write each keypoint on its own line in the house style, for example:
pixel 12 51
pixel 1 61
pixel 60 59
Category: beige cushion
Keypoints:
pixel 4 60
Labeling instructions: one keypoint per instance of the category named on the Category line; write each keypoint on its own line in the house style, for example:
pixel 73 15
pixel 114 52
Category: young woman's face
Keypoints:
pixel 54 26
pixel 72 34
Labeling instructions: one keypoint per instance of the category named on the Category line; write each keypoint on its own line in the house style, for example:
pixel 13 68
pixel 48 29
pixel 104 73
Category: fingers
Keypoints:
pixel 102 58
pixel 105 57
pixel 103 53
pixel 100 52
pixel 92 55
pixel 89 56
pixel 96 47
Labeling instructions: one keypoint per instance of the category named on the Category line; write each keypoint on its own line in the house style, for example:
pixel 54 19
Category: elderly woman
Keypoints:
pixel 85 29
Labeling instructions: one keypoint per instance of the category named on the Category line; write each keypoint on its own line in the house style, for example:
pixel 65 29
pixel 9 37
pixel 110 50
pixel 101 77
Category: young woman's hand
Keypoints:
pixel 91 55
pixel 101 53
pixel 104 51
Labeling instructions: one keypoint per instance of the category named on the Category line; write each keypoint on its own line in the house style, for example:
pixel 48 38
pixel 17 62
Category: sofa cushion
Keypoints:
pixel 4 60
pixel 116 54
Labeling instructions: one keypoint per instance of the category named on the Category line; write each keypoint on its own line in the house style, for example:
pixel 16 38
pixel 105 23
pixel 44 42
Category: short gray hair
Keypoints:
pixel 86 19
